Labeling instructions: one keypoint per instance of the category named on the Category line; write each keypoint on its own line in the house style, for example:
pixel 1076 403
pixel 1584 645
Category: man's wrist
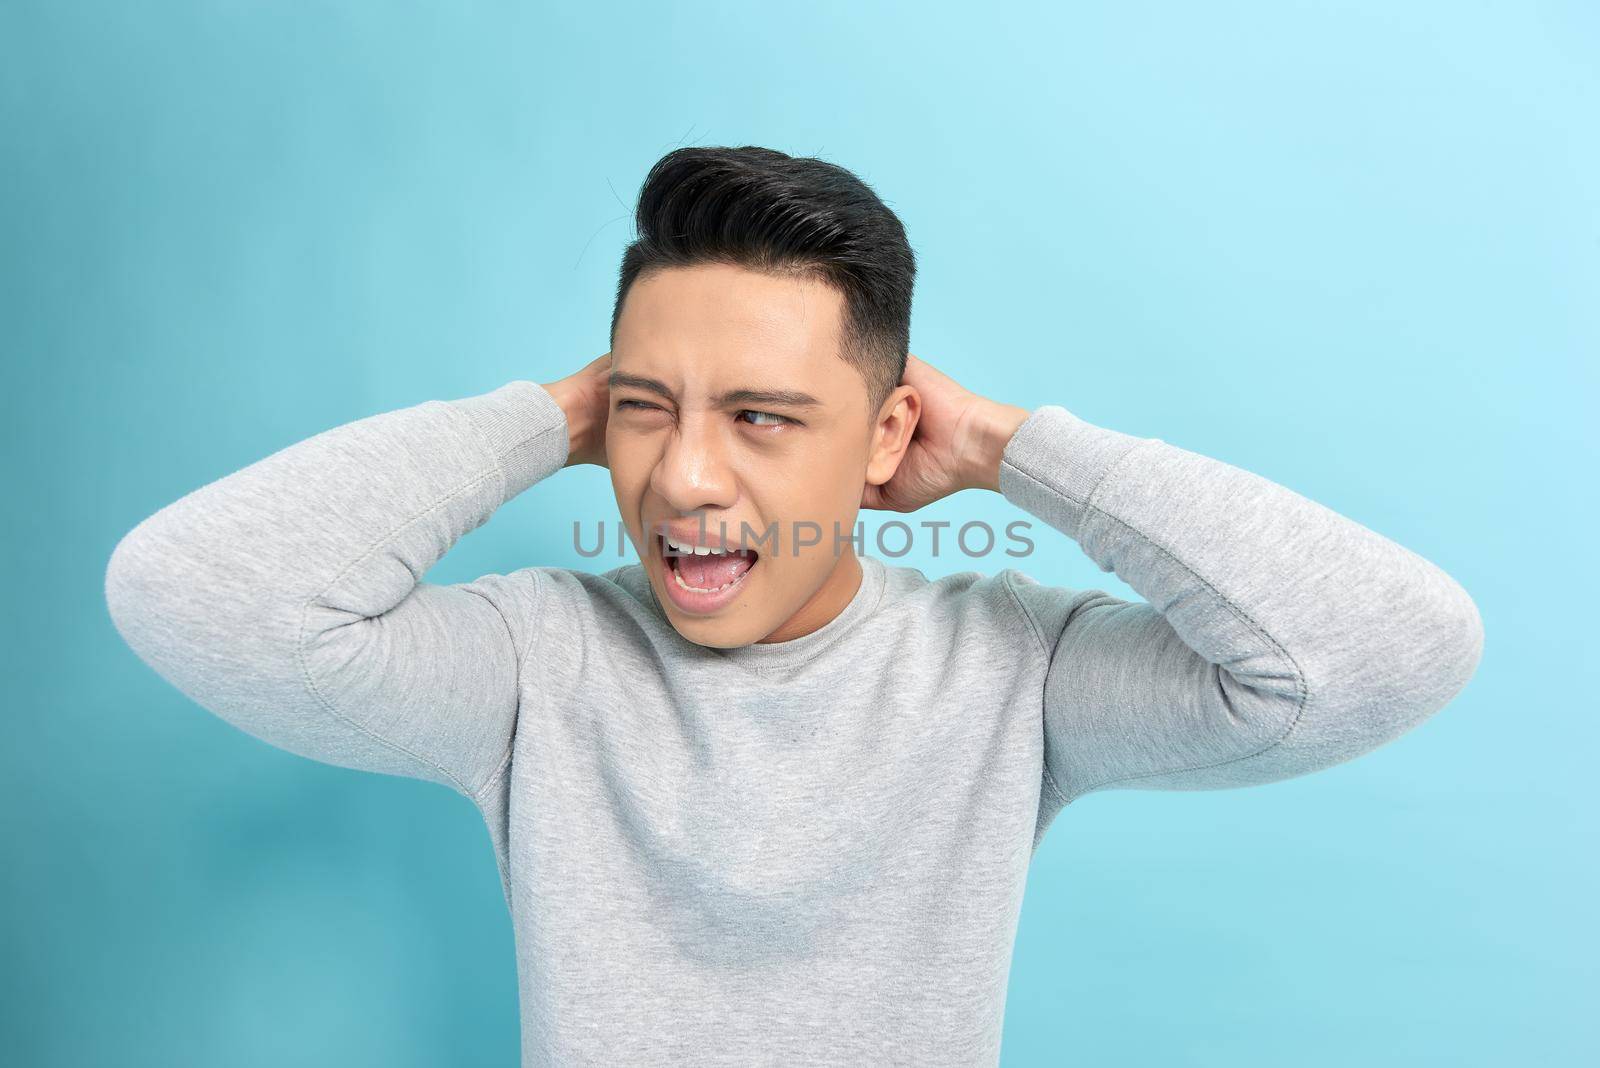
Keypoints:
pixel 579 412
pixel 990 428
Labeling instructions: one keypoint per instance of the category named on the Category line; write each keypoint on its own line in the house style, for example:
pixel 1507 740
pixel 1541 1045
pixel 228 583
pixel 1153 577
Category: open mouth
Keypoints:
pixel 704 577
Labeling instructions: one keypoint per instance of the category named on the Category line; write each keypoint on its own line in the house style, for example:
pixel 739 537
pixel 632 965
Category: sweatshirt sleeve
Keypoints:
pixel 286 598
pixel 1276 637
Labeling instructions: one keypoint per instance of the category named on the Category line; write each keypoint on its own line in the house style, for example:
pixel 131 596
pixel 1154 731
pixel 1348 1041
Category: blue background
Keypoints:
pixel 1354 247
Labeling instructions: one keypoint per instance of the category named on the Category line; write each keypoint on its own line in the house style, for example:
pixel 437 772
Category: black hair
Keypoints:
pixel 767 211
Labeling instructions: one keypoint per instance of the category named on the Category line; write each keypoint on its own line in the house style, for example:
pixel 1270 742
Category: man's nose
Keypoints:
pixel 695 471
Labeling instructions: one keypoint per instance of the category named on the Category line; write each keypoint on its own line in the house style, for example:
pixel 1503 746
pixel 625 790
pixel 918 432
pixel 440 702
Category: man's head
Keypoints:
pixel 758 340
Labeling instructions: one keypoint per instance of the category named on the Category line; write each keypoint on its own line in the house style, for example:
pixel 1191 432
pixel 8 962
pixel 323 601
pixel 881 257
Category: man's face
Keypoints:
pixel 733 417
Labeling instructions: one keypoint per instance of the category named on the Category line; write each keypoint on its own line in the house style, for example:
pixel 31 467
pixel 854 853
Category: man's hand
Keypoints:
pixel 585 397
pixel 957 443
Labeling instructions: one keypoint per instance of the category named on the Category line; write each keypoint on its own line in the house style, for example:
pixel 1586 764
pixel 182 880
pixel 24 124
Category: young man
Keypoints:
pixel 758 799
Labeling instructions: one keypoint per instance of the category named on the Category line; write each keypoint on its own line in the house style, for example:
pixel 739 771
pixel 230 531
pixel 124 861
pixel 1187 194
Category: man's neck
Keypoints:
pixel 825 605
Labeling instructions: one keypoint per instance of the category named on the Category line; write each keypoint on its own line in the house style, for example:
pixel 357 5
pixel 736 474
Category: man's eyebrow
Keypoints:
pixel 783 398
pixel 649 385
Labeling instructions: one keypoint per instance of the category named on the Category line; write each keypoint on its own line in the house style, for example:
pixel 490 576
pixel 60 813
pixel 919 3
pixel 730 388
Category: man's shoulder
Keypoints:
pixel 972 585
pixel 1009 597
pixel 966 597
pixel 547 587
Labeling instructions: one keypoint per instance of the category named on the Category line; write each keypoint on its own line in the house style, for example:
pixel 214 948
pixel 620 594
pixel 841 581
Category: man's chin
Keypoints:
pixel 714 632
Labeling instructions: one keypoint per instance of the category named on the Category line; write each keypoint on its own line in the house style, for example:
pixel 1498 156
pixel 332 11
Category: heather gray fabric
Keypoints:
pixel 810 852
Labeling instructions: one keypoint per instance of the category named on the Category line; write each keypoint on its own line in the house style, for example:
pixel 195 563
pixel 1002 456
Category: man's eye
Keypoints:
pixel 755 418
pixel 638 405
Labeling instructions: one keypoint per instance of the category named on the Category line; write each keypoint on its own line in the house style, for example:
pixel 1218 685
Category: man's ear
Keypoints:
pixel 891 433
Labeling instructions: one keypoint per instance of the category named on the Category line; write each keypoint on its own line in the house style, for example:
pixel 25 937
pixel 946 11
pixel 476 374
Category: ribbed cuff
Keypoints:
pixel 525 429
pixel 1054 461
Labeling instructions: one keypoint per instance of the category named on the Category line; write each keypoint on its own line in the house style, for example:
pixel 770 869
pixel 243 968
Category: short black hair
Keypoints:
pixel 767 211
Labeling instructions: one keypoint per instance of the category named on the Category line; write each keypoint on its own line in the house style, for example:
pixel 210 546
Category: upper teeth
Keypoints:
pixel 695 550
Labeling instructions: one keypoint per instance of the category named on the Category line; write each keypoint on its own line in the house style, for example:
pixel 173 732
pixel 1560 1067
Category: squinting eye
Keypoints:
pixel 762 418
pixel 642 405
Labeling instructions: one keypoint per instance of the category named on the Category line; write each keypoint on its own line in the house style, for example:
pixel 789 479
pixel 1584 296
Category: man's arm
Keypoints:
pixel 1276 638
pixel 286 597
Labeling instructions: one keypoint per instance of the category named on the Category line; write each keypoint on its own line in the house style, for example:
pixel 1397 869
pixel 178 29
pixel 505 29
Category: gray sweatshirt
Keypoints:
pixel 807 852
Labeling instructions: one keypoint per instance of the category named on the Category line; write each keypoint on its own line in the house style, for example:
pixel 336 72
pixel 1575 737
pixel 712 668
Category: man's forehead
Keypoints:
pixel 720 291
pixel 717 334
pixel 711 364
